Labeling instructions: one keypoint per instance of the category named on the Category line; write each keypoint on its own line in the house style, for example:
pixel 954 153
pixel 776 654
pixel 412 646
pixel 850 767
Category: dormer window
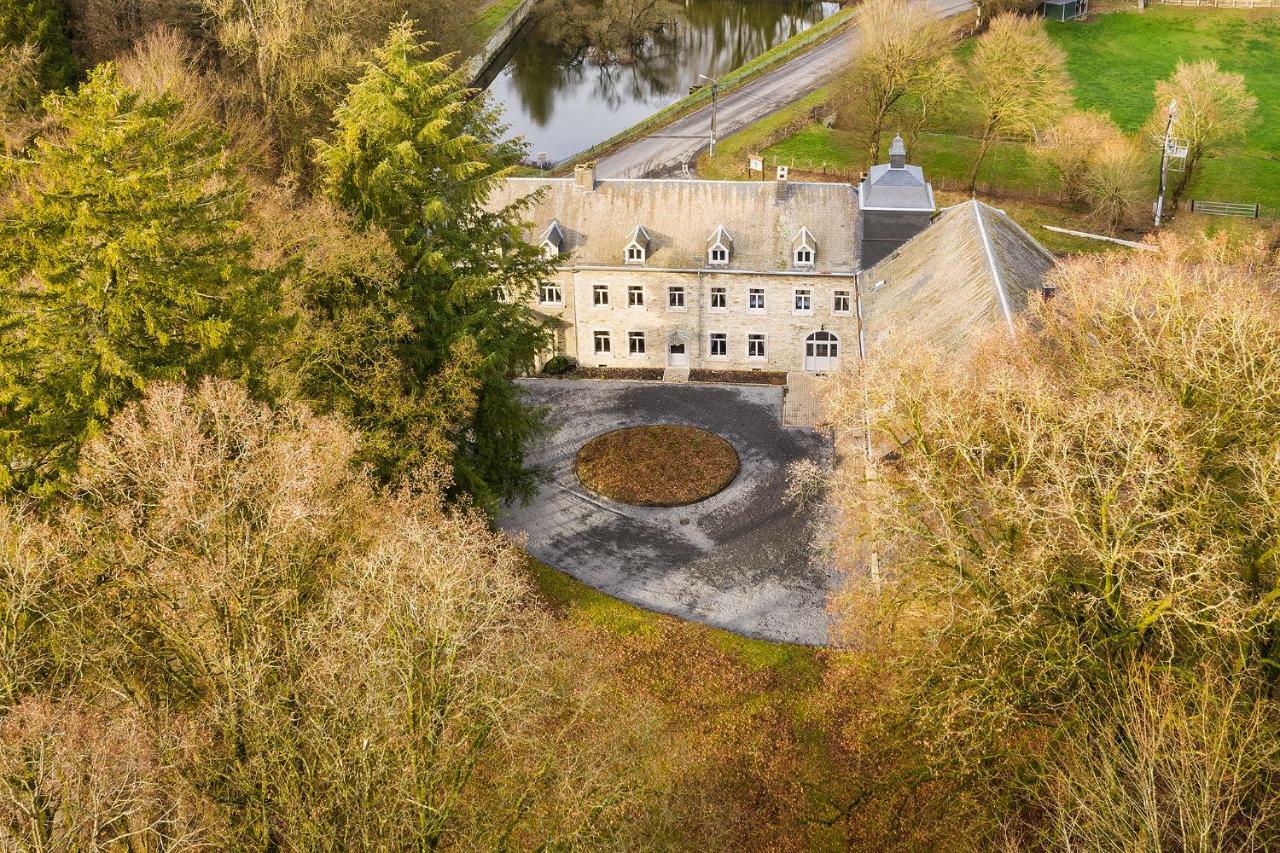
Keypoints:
pixel 804 248
pixel 552 240
pixel 719 247
pixel 637 248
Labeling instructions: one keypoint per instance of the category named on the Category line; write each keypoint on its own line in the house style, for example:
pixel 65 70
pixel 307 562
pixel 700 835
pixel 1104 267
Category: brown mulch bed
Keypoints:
pixel 662 465
pixel 739 377
pixel 616 373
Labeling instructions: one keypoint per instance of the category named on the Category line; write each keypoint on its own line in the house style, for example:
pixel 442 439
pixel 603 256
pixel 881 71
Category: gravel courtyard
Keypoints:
pixel 743 560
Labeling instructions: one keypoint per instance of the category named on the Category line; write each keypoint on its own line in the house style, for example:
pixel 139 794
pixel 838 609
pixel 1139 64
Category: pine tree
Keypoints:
pixel 416 155
pixel 122 261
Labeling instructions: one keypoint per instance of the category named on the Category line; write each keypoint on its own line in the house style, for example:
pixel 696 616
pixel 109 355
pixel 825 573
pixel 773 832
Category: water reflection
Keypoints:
pixel 562 106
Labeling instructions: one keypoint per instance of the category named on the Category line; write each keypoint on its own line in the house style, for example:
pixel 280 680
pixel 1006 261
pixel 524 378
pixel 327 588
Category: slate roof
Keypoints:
pixel 972 268
pixel 887 188
pixel 679 214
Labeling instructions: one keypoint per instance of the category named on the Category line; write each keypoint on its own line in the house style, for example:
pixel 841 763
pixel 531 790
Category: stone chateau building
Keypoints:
pixel 764 275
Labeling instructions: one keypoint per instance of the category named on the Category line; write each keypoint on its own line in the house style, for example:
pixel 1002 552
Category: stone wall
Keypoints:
pixel 784 328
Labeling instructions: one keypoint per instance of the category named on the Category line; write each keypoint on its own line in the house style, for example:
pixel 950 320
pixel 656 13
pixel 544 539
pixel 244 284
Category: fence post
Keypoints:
pixel 1257 210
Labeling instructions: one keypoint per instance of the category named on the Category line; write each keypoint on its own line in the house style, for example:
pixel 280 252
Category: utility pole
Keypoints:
pixel 715 86
pixel 1164 159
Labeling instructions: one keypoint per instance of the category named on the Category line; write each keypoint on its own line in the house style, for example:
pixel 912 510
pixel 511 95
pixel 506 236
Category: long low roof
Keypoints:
pixel 679 216
pixel 973 268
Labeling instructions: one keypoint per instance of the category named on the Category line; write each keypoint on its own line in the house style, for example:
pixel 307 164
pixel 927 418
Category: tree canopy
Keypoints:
pixel 122 262
pixel 417 156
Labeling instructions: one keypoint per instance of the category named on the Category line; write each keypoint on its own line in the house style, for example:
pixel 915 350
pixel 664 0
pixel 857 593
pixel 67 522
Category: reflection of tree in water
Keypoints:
pixel 710 37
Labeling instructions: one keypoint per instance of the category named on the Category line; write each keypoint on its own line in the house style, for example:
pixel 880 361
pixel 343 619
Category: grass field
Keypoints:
pixel 490 17
pixel 1115 60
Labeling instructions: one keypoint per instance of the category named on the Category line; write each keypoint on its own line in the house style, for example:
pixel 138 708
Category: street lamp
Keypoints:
pixel 715 86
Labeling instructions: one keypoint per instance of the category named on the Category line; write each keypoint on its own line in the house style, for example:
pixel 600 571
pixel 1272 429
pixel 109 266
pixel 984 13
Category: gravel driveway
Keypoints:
pixel 742 560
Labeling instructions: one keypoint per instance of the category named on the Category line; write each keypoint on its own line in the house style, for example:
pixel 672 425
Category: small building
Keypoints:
pixel 1065 10
pixel 896 203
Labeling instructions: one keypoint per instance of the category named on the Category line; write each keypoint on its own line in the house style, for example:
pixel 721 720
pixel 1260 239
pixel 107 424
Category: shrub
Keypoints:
pixel 559 365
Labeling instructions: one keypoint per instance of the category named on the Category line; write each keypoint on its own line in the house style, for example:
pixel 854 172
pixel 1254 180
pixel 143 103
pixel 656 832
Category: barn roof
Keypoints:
pixel 971 269
pixel 679 214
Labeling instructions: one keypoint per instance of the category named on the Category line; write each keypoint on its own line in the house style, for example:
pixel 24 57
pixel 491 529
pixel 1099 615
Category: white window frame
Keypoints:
pixel 632 339
pixel 672 290
pixel 847 296
pixel 598 290
pixel 598 335
pixel 723 339
pixel 804 247
pixel 723 293
pixel 721 261
pixel 764 346
pixel 799 293
pixel 634 290
pixel 550 287
pixel 550 250
pixel 753 291
pixel 634 253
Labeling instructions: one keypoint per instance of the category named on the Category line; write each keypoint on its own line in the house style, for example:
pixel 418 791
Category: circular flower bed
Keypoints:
pixel 660 465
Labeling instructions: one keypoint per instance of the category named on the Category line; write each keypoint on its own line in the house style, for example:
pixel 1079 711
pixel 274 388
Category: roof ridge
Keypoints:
pixel 997 279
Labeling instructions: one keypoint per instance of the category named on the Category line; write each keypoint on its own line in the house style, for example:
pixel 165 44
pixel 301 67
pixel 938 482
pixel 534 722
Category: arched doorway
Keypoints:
pixel 821 351
pixel 678 350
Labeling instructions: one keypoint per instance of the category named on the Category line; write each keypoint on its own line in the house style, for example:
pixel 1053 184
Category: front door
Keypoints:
pixel 676 355
pixel 821 352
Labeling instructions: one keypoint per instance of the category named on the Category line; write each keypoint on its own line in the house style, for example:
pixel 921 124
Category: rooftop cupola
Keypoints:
pixel 898 154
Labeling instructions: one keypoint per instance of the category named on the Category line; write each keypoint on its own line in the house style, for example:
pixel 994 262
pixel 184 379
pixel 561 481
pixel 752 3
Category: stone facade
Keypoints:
pixel 705 274
pixel 664 327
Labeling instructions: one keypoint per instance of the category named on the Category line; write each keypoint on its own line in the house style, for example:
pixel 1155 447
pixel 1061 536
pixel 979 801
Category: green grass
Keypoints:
pixel 577 600
pixel 1116 60
pixel 491 17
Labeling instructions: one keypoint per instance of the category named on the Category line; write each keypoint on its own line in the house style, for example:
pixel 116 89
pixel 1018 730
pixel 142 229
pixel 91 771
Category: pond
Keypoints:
pixel 562 105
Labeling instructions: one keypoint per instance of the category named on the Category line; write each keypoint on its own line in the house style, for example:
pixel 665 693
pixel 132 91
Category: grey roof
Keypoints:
pixel 679 214
pixel 972 268
pixel 887 188
pixel 554 234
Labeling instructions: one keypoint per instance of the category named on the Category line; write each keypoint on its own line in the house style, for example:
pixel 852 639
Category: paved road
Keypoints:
pixel 668 150
pixel 745 559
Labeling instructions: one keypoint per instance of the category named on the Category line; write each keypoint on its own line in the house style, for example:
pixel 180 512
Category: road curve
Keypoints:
pixel 670 148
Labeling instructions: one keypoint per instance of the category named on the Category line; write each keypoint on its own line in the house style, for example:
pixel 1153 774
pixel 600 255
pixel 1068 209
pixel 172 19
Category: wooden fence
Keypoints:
pixel 1226 4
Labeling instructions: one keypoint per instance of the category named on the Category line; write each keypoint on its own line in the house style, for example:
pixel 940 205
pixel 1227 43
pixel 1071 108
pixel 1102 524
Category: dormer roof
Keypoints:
pixel 804 237
pixel 721 236
pixel 553 234
pixel 640 236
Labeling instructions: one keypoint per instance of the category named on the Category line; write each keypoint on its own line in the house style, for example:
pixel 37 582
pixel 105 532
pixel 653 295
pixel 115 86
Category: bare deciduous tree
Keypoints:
pixel 1213 107
pixel 1096 165
pixel 1020 82
pixel 903 50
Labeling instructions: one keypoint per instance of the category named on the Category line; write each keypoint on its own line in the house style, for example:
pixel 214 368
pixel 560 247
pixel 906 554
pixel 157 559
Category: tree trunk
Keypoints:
pixel 987 134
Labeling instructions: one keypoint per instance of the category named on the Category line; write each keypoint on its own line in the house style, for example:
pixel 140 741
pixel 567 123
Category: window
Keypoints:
pixel 755 299
pixel 675 297
pixel 841 305
pixel 719 299
pixel 803 300
pixel 635 343
pixel 635 254
pixel 549 293
pixel 718 255
pixel 602 343
pixel 550 250
pixel 719 345
pixel 804 256
pixel 600 294
pixel 755 346
pixel 635 295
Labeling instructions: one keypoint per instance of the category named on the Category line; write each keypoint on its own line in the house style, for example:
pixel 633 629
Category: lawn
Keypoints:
pixel 1115 60
pixel 490 17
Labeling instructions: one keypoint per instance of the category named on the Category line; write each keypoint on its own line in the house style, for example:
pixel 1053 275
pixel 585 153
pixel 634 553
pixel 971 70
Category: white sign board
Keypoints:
pixel 757 164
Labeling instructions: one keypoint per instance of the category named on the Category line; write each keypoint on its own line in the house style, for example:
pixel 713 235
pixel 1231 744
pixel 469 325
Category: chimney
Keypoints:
pixel 780 191
pixel 584 176
pixel 898 154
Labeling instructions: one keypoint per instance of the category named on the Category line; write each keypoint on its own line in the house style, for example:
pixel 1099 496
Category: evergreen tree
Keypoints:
pixel 417 155
pixel 42 25
pixel 122 261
